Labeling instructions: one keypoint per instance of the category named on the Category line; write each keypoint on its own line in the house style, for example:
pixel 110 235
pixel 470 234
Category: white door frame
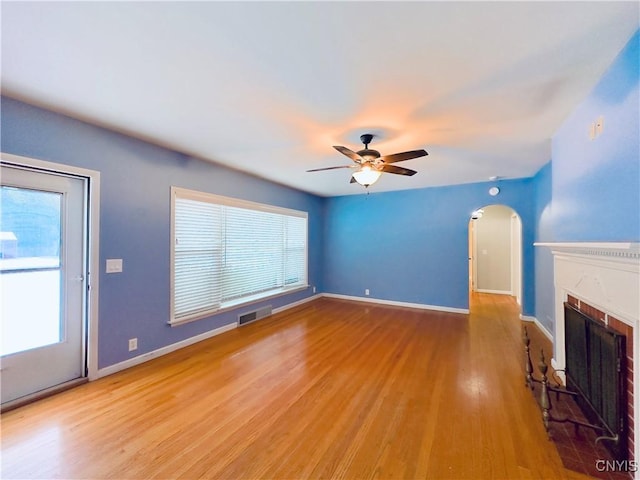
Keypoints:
pixel 515 241
pixel 93 253
pixel 516 257
pixel 473 254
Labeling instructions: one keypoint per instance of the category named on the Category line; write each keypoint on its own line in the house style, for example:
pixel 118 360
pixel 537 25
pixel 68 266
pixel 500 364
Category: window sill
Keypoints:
pixel 235 304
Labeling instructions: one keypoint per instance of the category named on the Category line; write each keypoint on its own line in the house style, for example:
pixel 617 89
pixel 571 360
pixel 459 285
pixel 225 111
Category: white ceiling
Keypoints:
pixel 269 87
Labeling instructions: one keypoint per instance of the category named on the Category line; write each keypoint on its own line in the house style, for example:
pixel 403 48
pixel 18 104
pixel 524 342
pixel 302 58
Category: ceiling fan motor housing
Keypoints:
pixel 369 154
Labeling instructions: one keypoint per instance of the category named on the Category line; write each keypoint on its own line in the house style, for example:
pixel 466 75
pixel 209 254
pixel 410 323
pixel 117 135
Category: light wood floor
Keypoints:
pixel 331 389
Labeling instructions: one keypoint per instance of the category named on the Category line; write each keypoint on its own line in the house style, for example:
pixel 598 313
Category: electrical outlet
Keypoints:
pixel 133 344
pixel 366 291
pixel 314 289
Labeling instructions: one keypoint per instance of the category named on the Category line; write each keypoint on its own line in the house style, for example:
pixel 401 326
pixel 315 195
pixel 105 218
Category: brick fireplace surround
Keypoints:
pixel 603 281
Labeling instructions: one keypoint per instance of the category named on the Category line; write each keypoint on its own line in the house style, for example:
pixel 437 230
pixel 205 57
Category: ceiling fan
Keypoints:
pixel 371 164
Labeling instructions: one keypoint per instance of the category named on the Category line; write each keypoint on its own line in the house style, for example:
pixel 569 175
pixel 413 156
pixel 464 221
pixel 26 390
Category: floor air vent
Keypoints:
pixel 255 315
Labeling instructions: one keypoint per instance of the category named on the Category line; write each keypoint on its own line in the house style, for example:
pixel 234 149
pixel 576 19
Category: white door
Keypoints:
pixel 42 280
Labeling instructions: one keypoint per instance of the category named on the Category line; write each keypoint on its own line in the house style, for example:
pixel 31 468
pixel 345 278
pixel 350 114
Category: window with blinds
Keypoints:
pixel 227 252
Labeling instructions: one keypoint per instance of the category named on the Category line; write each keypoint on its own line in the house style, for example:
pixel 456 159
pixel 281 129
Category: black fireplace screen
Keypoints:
pixel 596 368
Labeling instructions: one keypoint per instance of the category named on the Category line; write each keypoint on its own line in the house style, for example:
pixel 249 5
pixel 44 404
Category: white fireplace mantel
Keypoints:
pixel 607 277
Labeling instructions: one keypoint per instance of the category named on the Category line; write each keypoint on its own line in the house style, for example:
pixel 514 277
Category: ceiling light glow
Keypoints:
pixel 367 176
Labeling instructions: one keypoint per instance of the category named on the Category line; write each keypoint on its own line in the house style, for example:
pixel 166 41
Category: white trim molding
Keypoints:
pixel 93 235
pixel 393 303
pixel 494 292
pixel 145 357
pixel 296 304
pixel 622 250
pixel 542 328
pixel 605 276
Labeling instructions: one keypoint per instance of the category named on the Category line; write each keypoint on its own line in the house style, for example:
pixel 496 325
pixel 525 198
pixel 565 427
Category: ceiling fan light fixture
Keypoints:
pixel 371 165
pixel 367 176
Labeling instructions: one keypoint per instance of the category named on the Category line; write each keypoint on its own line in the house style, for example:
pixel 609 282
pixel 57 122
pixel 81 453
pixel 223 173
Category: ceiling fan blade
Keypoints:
pixel 400 157
pixel 349 153
pixel 330 168
pixel 397 170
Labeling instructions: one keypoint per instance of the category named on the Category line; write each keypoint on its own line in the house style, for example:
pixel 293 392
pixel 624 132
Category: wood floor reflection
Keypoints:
pixel 330 389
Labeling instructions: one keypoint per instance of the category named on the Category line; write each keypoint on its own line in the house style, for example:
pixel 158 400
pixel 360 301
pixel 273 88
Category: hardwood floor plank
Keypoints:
pixel 330 389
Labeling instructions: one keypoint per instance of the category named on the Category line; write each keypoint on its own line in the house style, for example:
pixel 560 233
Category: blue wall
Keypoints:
pixel 412 246
pixel 590 192
pixel 545 295
pixel 135 220
pixel 596 183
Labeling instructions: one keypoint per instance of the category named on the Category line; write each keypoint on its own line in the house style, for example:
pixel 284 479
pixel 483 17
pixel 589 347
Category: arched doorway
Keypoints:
pixel 495 251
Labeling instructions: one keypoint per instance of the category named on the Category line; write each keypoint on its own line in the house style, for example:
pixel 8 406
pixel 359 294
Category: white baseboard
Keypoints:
pixel 543 329
pixel 559 371
pixel 295 304
pixel 145 357
pixel 496 292
pixel 393 303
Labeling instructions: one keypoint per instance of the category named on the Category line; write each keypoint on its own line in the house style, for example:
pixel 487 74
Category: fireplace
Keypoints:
pixel 596 368
pixel 601 281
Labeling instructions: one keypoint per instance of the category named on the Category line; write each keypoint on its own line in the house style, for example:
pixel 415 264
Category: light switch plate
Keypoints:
pixel 114 265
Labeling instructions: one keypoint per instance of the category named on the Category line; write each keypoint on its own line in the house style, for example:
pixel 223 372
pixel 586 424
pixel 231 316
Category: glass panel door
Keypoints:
pixel 42 280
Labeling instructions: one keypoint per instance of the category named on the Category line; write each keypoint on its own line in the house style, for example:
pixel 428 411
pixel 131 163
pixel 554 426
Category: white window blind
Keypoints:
pixel 227 252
